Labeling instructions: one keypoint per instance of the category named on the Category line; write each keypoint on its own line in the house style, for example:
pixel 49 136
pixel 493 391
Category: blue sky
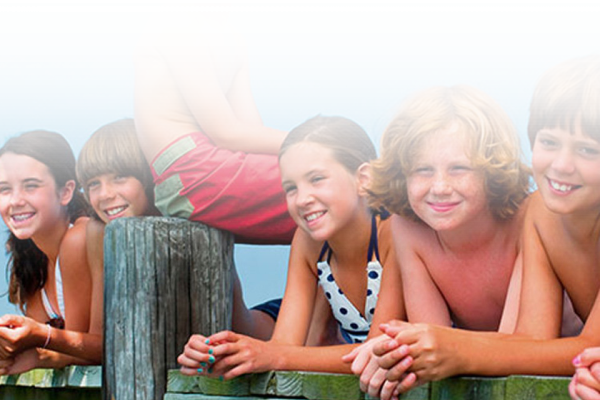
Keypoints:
pixel 67 65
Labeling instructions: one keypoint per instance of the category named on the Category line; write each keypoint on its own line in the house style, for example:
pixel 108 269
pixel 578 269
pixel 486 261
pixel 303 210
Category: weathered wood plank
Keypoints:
pixel 537 387
pixel 468 388
pixel 149 264
pixel 331 386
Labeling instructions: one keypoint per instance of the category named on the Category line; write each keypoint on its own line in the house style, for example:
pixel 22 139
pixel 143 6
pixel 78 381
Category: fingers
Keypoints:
pixel 382 347
pixel 408 383
pixel 397 371
pixel 387 390
pixel 373 386
pixel 197 354
pixel 586 383
pixel 350 357
pixel 395 353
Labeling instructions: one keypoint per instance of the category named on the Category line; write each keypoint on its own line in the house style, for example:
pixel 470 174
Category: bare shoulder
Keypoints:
pixel 408 232
pixel 305 248
pixel 73 248
pixel 537 215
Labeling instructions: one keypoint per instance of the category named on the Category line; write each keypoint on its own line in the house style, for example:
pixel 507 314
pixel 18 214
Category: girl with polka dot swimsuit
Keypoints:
pixel 342 253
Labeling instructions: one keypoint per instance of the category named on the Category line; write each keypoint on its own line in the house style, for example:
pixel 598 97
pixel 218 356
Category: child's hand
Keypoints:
pixel 372 377
pixel 18 333
pixel 433 349
pixel 197 356
pixel 238 354
pixel 586 381
pixel 23 362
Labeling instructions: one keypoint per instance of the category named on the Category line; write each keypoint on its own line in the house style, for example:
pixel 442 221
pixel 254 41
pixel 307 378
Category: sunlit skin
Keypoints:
pixel 444 189
pixel 30 203
pixel 320 192
pixel 114 196
pixel 566 167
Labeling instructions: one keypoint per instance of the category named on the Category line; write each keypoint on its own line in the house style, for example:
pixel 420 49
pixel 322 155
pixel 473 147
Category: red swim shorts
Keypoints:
pixel 233 191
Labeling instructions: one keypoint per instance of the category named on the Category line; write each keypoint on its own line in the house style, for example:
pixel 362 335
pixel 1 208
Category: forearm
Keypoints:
pixel 318 359
pixel 53 359
pixel 257 139
pixel 86 346
pixel 494 354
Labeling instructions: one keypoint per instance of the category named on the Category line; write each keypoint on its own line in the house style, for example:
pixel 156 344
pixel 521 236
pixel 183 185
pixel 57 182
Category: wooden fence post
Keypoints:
pixel 165 278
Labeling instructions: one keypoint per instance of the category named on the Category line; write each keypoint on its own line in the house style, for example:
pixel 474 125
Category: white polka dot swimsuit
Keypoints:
pixel 354 326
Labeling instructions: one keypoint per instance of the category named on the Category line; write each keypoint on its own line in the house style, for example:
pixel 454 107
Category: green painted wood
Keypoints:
pixel 263 383
pixel 319 386
pixel 468 388
pixel 537 387
pixel 71 383
pixel 198 396
pixel 179 383
pixel 331 386
pixel 165 278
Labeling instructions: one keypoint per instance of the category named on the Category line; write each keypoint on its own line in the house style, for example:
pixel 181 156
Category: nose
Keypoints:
pixel 16 198
pixel 304 196
pixel 106 191
pixel 441 185
pixel 564 162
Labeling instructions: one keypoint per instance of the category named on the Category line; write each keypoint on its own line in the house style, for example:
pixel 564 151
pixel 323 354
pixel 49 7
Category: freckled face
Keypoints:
pixel 113 196
pixel 444 189
pixel 566 168
pixel 30 203
pixel 322 196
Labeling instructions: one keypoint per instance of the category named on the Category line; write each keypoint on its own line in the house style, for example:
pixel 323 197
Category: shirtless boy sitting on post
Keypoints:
pixel 212 159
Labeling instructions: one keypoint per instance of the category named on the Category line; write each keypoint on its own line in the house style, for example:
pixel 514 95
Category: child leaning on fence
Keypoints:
pixel 342 245
pixel 561 235
pixel 50 280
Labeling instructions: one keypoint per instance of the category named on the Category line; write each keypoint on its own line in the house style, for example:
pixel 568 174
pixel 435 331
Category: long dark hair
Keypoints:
pixel 28 264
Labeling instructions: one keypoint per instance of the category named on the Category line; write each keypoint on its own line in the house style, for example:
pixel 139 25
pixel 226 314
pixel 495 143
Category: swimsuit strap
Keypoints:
pixel 326 249
pixel 59 289
pixel 59 296
pixel 47 306
pixel 373 247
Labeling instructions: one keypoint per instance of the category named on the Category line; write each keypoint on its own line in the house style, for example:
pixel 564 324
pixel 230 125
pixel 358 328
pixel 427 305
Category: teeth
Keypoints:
pixel 312 217
pixel 561 188
pixel 115 211
pixel 22 217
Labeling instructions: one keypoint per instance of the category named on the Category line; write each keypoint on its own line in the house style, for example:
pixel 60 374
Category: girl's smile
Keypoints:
pixel 30 203
pixel 322 196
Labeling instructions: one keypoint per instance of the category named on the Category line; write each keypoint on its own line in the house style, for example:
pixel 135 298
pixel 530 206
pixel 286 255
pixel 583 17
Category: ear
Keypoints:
pixel 66 192
pixel 363 176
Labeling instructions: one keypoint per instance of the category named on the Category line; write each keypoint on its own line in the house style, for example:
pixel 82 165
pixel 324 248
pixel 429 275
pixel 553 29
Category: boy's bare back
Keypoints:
pixel 191 74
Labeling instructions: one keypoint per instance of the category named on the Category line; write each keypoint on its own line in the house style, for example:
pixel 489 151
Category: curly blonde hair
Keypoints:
pixel 491 138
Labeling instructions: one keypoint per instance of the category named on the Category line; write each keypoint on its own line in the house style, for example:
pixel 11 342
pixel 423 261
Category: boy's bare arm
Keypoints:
pixel 186 50
pixel 541 304
pixel 423 300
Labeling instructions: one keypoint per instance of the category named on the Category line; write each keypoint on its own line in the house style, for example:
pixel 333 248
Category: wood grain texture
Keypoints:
pixel 154 300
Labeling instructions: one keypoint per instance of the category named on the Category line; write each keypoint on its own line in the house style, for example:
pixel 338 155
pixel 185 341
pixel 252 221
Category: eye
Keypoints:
pixel 4 189
pixel 589 151
pixel 289 189
pixel 120 178
pixel 547 142
pixel 460 168
pixel 423 171
pixel 31 186
pixel 92 184
pixel 316 178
